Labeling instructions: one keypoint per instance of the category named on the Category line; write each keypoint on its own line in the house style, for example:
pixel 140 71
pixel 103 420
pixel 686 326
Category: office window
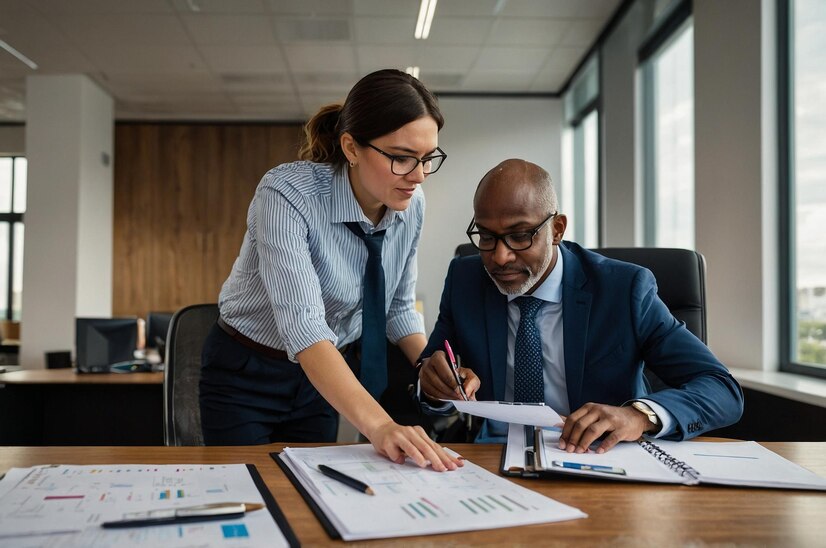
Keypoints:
pixel 579 191
pixel 667 79
pixel 804 187
pixel 12 209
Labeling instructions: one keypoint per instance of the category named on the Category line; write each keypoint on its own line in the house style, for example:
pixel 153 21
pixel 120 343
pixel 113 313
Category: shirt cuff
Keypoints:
pixel 666 419
pixel 404 324
pixel 441 410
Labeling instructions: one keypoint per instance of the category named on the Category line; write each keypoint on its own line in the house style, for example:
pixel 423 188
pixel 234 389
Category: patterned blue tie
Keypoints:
pixel 373 370
pixel 528 384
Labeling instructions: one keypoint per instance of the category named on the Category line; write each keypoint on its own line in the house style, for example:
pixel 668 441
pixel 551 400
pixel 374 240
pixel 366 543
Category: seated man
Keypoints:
pixel 536 319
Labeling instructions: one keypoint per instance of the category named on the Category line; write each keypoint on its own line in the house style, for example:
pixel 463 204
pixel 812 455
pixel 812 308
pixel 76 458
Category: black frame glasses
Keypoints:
pixel 515 241
pixel 397 160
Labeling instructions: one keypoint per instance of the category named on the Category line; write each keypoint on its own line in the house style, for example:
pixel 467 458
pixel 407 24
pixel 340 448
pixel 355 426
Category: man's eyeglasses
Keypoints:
pixel 402 165
pixel 516 241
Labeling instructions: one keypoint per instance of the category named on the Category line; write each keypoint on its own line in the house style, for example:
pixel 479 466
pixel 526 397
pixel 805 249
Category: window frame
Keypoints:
pixel 11 218
pixel 663 35
pixel 786 194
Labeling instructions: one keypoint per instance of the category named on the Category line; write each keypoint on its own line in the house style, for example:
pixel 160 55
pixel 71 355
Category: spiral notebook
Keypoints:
pixel 533 452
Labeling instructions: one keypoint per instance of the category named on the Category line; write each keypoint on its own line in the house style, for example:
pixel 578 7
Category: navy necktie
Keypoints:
pixel 528 382
pixel 373 370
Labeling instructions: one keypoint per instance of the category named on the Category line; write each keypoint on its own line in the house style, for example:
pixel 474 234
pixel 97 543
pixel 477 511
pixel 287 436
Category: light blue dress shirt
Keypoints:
pixel 299 275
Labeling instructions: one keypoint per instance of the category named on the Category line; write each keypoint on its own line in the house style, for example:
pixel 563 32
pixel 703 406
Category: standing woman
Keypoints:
pixel 328 259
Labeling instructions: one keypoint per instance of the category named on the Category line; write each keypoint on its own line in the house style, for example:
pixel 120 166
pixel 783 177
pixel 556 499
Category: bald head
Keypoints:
pixel 514 185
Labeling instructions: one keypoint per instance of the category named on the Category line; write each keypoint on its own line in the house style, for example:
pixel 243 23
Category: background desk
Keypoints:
pixel 620 514
pixel 60 407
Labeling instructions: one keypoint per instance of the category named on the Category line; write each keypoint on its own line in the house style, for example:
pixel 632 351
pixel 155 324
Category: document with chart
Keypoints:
pixel 65 505
pixel 534 452
pixel 410 500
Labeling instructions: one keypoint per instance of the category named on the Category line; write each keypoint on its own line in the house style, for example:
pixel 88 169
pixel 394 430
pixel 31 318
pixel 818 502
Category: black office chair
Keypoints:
pixel 181 409
pixel 681 280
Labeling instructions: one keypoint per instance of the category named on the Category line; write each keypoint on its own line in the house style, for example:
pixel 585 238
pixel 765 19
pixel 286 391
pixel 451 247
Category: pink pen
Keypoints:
pixel 455 369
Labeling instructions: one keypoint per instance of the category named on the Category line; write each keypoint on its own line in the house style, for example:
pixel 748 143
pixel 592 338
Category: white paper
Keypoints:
pixel 415 501
pixel 64 506
pixel 515 413
pixel 744 463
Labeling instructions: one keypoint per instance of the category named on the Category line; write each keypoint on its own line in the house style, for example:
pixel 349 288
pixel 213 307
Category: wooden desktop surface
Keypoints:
pixel 620 514
pixel 71 376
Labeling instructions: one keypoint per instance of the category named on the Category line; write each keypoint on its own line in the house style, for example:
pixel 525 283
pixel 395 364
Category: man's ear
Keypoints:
pixel 348 146
pixel 558 225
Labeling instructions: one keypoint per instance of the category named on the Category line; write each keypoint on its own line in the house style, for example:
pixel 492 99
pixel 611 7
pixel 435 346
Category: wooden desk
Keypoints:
pixel 61 407
pixel 620 514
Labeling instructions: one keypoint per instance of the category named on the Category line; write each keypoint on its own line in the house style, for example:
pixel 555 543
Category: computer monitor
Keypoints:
pixel 157 325
pixel 102 342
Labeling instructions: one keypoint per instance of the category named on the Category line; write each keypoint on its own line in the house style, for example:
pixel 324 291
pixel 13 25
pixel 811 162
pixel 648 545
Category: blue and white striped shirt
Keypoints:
pixel 298 277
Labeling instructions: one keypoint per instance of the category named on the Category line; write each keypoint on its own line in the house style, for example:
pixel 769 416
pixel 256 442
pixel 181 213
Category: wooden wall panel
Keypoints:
pixel 181 198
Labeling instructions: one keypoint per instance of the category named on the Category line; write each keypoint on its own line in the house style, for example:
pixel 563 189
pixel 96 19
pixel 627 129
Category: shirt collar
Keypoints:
pixel 551 289
pixel 345 208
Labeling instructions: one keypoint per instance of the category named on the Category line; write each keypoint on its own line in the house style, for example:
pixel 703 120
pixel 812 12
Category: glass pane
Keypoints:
pixel 590 211
pixel 4 270
pixel 566 189
pixel 17 274
pixel 21 168
pixel 674 142
pixel 809 157
pixel 5 184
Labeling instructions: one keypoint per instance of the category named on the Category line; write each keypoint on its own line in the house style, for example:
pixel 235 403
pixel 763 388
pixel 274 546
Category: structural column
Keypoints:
pixel 67 268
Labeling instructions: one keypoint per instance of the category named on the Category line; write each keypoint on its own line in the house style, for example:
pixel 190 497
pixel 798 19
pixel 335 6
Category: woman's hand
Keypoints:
pixel 397 442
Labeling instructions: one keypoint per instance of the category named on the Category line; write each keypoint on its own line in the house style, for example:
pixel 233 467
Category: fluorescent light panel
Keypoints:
pixel 426 11
pixel 20 57
pixel 413 71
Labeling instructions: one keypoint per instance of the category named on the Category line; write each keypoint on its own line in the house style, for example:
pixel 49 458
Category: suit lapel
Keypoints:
pixel 576 309
pixel 496 324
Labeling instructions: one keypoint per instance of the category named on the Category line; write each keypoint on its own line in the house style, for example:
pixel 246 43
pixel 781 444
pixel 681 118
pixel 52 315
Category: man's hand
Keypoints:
pixel 438 382
pixel 585 425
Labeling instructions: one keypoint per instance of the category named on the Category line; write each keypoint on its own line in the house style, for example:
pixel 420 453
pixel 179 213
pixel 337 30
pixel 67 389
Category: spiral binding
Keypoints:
pixel 678 466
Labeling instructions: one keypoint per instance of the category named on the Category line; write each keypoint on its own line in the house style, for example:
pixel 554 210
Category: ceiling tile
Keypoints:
pixel 221 6
pixel 464 8
pixel 124 29
pixel 385 30
pixel 311 7
pixel 565 59
pixel 335 84
pixel 460 32
pixel 102 6
pixel 313 29
pixel 390 8
pixel 527 32
pixel 452 58
pixel 148 59
pixel 498 80
pixel 243 58
pixel 320 58
pixel 548 80
pixel 235 30
pixel 372 58
pixel 582 32
pixel 525 59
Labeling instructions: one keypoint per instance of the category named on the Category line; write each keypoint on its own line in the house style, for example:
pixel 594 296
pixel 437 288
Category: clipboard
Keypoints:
pixel 273 508
pixel 322 518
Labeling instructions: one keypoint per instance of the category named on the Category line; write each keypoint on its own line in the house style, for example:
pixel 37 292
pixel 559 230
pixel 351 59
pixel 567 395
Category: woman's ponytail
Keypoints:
pixel 321 137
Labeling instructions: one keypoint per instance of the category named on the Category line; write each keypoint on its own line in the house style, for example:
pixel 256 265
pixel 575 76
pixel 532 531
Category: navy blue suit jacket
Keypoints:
pixel 613 323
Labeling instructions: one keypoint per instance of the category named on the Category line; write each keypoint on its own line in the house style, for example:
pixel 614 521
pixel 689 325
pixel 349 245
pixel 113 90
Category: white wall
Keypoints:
pixel 736 176
pixel 478 134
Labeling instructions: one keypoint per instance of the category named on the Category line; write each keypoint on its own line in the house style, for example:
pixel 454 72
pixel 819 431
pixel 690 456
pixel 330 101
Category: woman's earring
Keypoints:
pixel 352 164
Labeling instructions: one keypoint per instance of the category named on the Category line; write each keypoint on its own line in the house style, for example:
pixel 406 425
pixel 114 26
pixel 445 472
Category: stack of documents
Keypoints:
pixel 65 506
pixel 410 500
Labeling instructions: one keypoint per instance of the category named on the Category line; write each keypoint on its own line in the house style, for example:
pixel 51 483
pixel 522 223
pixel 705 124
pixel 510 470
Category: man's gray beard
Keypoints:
pixel 532 279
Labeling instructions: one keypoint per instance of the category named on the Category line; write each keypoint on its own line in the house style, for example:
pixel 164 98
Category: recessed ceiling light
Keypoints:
pixel 426 10
pixel 20 57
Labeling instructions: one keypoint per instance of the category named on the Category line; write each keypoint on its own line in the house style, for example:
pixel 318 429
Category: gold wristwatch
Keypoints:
pixel 648 412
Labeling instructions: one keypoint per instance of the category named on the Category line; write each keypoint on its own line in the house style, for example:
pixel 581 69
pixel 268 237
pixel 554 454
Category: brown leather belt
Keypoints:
pixel 273 353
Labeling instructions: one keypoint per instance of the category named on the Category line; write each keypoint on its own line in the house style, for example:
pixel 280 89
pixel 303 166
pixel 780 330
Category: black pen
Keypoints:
pixel 187 514
pixel 345 479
